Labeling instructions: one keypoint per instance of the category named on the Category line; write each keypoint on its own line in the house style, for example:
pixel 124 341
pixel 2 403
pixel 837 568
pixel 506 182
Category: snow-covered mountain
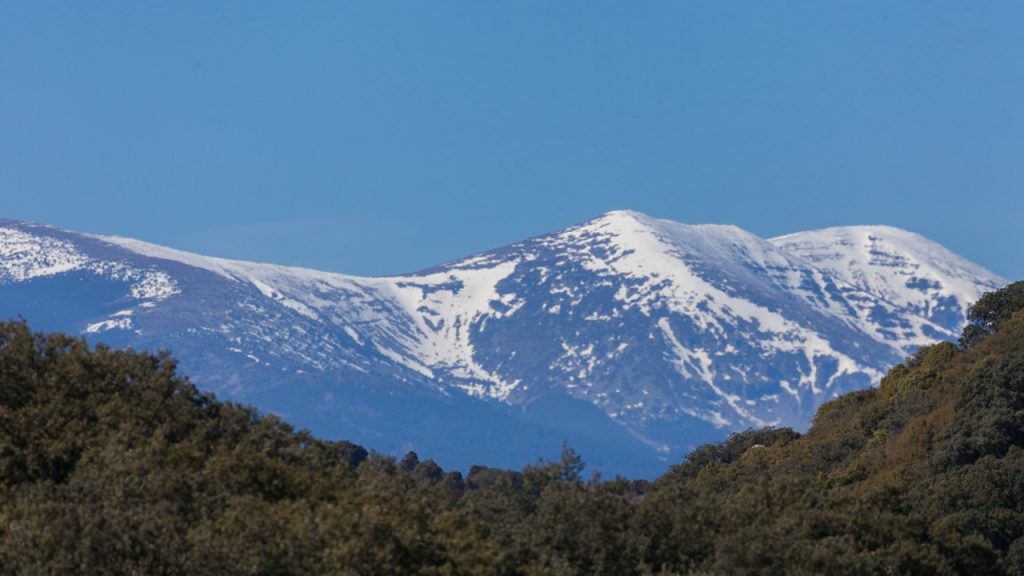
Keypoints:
pixel 632 338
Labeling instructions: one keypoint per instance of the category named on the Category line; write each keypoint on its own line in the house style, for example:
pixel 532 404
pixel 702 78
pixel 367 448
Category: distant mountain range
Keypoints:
pixel 633 339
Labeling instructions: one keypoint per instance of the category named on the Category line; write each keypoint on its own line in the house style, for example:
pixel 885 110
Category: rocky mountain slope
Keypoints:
pixel 632 338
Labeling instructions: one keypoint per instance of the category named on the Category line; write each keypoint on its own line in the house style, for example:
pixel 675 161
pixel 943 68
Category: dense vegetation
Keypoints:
pixel 112 464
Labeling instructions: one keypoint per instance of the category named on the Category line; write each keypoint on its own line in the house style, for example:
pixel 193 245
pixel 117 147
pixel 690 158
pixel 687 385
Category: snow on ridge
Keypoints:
pixel 209 263
pixel 646 254
pixel 425 321
pixel 900 266
pixel 726 247
pixel 419 321
pixel 444 308
pixel 933 275
pixel 299 289
pixel 655 252
pixel 925 252
pixel 24 256
pixel 230 269
pixel 650 248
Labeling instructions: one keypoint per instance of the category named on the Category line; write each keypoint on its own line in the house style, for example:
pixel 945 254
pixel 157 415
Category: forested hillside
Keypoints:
pixel 111 463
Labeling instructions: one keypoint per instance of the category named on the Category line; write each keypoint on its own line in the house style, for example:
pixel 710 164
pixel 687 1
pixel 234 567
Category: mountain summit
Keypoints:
pixel 632 338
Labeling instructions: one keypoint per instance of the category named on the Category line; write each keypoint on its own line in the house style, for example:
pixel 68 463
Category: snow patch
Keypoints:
pixel 123 323
pixel 26 256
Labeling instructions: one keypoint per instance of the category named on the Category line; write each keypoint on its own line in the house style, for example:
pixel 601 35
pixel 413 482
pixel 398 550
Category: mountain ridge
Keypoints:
pixel 669 330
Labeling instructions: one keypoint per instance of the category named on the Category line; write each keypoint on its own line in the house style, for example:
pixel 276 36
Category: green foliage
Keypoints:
pixel 112 464
pixel 991 311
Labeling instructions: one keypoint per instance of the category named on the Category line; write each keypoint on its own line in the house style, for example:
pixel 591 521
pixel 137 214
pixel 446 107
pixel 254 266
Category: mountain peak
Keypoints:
pixel 621 213
pixel 625 328
pixel 857 249
pixel 899 266
pixel 627 224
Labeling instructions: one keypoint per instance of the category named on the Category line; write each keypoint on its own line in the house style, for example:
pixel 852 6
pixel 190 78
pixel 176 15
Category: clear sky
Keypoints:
pixel 379 137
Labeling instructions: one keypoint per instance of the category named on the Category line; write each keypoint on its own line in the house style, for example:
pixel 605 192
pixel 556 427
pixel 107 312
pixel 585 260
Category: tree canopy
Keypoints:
pixel 112 463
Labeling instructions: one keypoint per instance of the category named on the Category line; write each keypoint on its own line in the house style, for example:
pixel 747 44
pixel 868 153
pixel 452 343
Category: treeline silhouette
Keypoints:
pixel 111 463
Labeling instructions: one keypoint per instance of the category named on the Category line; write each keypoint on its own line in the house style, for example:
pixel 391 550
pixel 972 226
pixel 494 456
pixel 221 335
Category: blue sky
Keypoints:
pixel 380 137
